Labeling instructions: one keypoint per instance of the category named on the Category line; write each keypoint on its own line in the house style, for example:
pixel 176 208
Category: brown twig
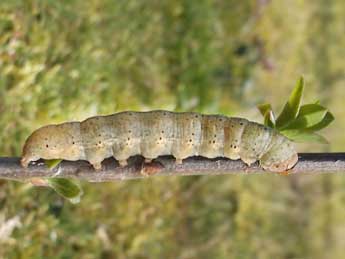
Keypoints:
pixel 311 163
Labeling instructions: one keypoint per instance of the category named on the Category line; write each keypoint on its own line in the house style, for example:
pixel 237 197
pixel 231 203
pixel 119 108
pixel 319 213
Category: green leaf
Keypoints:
pixel 291 108
pixel 51 164
pixel 304 136
pixel 309 115
pixel 297 122
pixel 66 188
pixel 263 108
pixel 269 119
pixel 268 114
pixel 327 119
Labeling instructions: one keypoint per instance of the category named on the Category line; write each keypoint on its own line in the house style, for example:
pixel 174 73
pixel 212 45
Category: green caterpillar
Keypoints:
pixel 155 133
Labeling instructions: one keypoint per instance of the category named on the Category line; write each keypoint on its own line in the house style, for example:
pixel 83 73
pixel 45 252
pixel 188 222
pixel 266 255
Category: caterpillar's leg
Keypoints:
pixel 178 161
pixel 151 168
pixel 148 160
pixel 248 161
pixel 97 165
pixel 123 162
pixel 95 156
pixel 25 161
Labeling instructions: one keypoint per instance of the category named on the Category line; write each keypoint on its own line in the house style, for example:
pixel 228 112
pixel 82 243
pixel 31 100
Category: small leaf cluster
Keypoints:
pixel 296 121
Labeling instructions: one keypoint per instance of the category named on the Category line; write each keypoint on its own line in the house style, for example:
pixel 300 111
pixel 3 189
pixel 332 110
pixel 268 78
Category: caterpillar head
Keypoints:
pixel 282 166
pixel 60 141
pixel 281 157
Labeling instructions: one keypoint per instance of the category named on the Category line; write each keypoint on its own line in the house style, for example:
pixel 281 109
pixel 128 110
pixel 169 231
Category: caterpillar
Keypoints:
pixel 155 133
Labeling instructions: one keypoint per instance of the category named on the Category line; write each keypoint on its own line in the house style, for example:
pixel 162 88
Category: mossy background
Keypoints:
pixel 68 60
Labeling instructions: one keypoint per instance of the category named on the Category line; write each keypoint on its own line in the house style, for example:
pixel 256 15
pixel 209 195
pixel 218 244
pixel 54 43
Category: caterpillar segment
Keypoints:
pixel 156 133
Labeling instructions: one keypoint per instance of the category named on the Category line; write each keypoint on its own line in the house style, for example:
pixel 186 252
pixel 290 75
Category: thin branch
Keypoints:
pixel 311 163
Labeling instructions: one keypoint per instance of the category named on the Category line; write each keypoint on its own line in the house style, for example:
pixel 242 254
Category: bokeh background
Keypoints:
pixel 68 60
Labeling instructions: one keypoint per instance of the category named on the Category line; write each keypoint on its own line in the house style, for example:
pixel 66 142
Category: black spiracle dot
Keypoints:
pixel 214 141
pixel 231 146
pixel 190 140
pixel 99 142
pixel 128 138
pixel 235 147
pixel 47 146
pixel 162 131
pixel 73 142
pixel 241 123
pixel 215 135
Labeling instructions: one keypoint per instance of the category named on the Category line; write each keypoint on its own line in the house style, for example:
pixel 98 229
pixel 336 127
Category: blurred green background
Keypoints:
pixel 68 60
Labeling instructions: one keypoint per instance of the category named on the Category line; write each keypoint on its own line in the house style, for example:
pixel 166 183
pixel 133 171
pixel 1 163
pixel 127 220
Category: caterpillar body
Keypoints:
pixel 155 133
